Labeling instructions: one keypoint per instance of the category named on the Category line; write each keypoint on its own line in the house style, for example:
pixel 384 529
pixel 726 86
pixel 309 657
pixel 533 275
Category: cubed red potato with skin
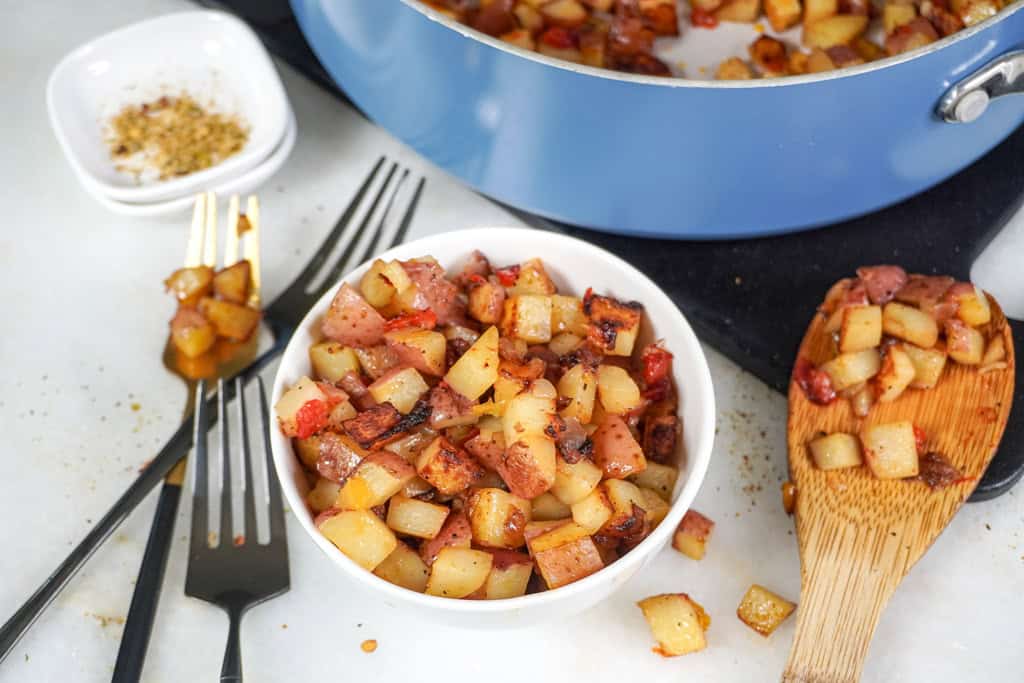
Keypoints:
pixel 423 350
pixel 565 554
pixel 402 387
pixel 487 448
pixel 455 533
pixel 439 294
pixel 964 344
pixel 921 290
pixel 529 465
pixel 352 321
pixel 629 516
pixel 302 410
pixel 447 467
pixel 495 18
pixel 896 374
pixel 971 302
pixel 692 534
pixel 616 452
pixel 916 33
pixel 188 285
pixel 232 321
pixel 498 518
pixel 509 577
pixel 337 455
pixel 379 476
pixel 614 325
pixel 487 300
pixel 660 436
pixel 373 424
pixel 677 622
pixel 191 333
pixel 882 282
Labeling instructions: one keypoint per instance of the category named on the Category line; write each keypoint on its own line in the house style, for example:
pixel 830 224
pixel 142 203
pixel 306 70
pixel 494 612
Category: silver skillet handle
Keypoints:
pixel 968 99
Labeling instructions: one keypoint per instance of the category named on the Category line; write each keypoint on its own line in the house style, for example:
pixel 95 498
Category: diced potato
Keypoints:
pixel 579 385
pixel 972 12
pixel 475 372
pixel 849 369
pixel 995 352
pixel 529 466
pixel 782 13
pixel 868 50
pixel 733 69
pixel 614 325
pixel 928 365
pixel 520 37
pixel 567 315
pixel 530 412
pixel 565 554
pixel 692 534
pixel 616 452
pixel 379 476
pixel 567 13
pixel 410 446
pixel 331 361
pixel 769 56
pixel 895 375
pixel 457 572
pixel 973 306
pixel 514 377
pixel 415 517
pixel 401 387
pixel 657 477
pixel 909 324
pixel 528 16
pixel 763 610
pixel 189 285
pixel 568 54
pixel 232 283
pixel 232 321
pixel 527 317
pixel 744 11
pixel 361 536
pixel 509 577
pixel 191 333
pixel 831 31
pixel 890 450
pixel 294 400
pixel 655 508
pixel 836 451
pixel 375 287
pixel 817 62
pixel 564 343
pixel 532 279
pixel 447 467
pixel 486 302
pixel 456 533
pixel 628 502
pixel 498 518
pixel 322 496
pixel 816 10
pixel 677 623
pixel 403 567
pixel 575 481
pixel 376 360
pixel 895 15
pixel 546 507
pixel 421 349
pixel 592 512
pixel 861 328
pixel 964 344
pixel 617 390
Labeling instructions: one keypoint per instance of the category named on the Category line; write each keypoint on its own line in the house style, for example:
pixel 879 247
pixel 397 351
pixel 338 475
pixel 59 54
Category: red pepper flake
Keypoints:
pixel 815 382
pixel 476 279
pixel 657 362
pixel 507 276
pixel 425 319
pixel 920 438
pixel 310 418
pixel 702 18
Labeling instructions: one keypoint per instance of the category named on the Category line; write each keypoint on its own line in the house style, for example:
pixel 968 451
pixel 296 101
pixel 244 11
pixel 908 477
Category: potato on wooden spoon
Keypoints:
pixel 859 535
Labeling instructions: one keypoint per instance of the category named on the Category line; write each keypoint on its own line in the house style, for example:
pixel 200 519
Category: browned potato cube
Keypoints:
pixel 763 610
pixel 565 554
pixel 895 375
pixel 890 450
pixel 424 350
pixel 995 353
pixel 575 481
pixel 379 476
pixel 615 450
pixel 487 300
pixel 415 517
pixel 232 283
pixel 849 369
pixel 972 12
pixel 677 623
pixel 527 317
pixel 456 533
pixel 189 285
pixel 322 496
pixel 618 392
pixel 692 535
pixel 743 11
pixel 567 315
pixel 592 512
pixel 457 572
pixel 816 10
pixel 532 279
pixel 579 386
pixel 629 518
pixel 528 16
pixel 895 15
pixel 447 467
pixel 836 451
pixel 529 466
pixel 909 324
pixel 614 325
pixel 292 401
pixel 520 37
pixel 817 62
pixel 658 477
pixel 831 31
pixel 546 507
pixel 769 55
pixel 782 13
pixel 655 510
pixel 734 69
pixel 403 567
pixel 401 387
pixel 331 361
pixel 972 303
pixel 233 321
pixel 567 13
pixel 928 365
pixel 475 371
pixel 191 333
pixel 361 536
pixel 509 577
pixel 861 328
pixel 498 518
pixel 965 345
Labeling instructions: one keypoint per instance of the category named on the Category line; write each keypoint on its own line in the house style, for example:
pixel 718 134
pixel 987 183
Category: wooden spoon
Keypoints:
pixel 858 535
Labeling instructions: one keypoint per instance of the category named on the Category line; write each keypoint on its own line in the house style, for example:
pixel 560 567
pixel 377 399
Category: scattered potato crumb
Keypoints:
pixel 368 645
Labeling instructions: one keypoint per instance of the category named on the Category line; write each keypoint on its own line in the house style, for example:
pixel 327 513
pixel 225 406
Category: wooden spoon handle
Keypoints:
pixel 847 578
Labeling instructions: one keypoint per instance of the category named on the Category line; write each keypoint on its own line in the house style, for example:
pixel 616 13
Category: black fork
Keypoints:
pixel 282 316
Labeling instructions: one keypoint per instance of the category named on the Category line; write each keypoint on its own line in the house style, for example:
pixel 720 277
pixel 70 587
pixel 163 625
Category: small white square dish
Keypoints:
pixel 210 55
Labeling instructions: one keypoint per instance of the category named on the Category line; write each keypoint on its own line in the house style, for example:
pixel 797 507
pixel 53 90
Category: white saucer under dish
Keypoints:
pixel 237 185
pixel 211 55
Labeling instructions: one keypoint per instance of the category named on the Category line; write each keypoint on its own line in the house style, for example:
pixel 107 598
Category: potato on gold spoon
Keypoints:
pixel 910 456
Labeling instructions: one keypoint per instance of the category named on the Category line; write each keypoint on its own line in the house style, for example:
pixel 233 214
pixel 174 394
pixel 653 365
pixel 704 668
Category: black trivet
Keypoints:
pixel 752 299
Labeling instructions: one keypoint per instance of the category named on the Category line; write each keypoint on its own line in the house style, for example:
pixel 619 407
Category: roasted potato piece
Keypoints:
pixel 916 33
pixel 928 365
pixel 520 37
pixel 783 13
pixel 564 13
pixel 655 509
pixel 351 320
pixel 616 452
pixel 487 300
pixel 575 481
pixel 593 511
pixel 457 572
pixel 861 328
pixel 614 325
pixel 658 477
pixel 403 567
pixel 528 16
pixel 995 352
pixel 629 507
pixel 322 496
pixel 295 415
pixel 567 315
pixel 743 11
pixel 232 283
pixel 660 435
pixel 896 374
pixel 546 507
pixel 191 333
pixel 456 533
pixel 849 369
pixel 692 534
pixel 527 317
pixel 498 518
pixel 331 361
pixel 972 12
pixel 579 386
pixel 763 610
pixel 509 577
pixel 769 56
pixel 401 387
pixel 867 50
pixel 972 304
pixel 817 62
pixel 816 10
pixel 836 451
pixel 831 31
pixel 189 285
pixel 565 554
pixel 529 465
pixel 618 392
pixel 423 350
pixel 895 15
pixel 965 345
pixel 475 372
pixel 447 467
pixel 415 517
pixel 232 321
pixel 890 450
pixel 361 536
pixel 532 279
pixel 677 623
pixel 734 69
pixel 379 476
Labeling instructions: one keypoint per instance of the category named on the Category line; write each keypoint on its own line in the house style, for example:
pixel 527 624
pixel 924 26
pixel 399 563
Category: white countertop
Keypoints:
pixel 81 346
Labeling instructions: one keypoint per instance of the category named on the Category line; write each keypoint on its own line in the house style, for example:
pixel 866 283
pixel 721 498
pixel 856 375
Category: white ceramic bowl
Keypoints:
pixel 240 184
pixel 574 265
pixel 211 55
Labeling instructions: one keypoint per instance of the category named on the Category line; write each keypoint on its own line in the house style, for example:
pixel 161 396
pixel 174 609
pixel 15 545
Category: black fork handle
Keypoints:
pixel 231 669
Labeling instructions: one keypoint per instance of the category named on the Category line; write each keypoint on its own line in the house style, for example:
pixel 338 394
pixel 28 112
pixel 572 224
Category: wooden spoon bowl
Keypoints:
pixel 858 535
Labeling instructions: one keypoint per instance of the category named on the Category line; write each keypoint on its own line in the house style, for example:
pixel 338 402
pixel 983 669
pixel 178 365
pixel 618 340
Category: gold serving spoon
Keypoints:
pixel 858 535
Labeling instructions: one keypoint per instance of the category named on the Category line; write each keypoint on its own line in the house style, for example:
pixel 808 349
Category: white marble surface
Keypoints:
pixel 84 328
